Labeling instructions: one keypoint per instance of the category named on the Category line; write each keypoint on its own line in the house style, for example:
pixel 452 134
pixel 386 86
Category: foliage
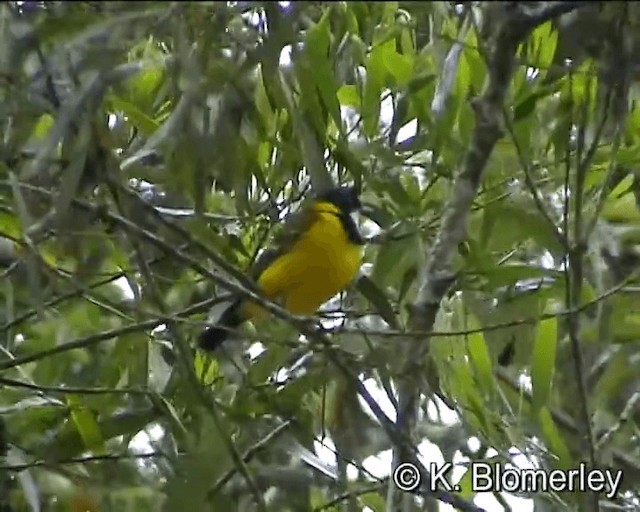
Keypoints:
pixel 147 151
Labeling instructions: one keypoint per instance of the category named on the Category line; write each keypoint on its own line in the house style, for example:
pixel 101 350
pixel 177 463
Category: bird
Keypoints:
pixel 317 255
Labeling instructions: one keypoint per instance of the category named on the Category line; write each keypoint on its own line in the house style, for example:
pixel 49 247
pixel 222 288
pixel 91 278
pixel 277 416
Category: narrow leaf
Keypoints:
pixel 33 270
pixel 137 117
pixel 544 360
pixel 554 439
pixel 72 174
pixel 378 300
pixel 481 360
pixel 87 426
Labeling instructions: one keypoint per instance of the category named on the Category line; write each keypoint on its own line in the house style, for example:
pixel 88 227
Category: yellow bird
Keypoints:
pixel 317 255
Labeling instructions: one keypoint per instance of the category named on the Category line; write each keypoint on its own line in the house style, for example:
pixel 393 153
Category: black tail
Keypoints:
pixel 212 337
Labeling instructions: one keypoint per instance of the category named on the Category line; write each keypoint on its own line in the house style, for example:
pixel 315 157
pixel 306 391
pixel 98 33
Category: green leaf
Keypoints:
pixel 616 376
pixel 159 371
pixel 68 442
pixel 348 96
pixel 462 78
pixel 458 381
pixel 622 210
pixel 476 412
pixel 393 260
pixel 400 67
pixel 137 117
pixel 627 330
pixel 481 360
pixel 526 106
pixel 542 47
pixel 143 86
pixel 632 126
pixel 374 501
pixel 318 48
pixel 308 142
pixel 268 362
pixel 309 101
pixel 170 413
pixel 73 173
pixel 206 458
pixel 507 275
pixel 378 300
pixel 554 439
pixel 407 42
pixel 517 220
pixel 29 485
pixel 52 27
pixel 620 205
pixel 375 80
pixel 10 225
pixel 583 87
pixel 543 360
pixel 129 357
pixel 466 123
pixel 477 66
pixel 207 369
pixel 87 426
pixel 466 484
pixel 32 258
pixel 263 105
pixel 42 127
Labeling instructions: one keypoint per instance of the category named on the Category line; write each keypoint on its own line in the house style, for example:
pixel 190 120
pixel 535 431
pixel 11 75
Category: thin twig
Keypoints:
pixel 186 359
pixel 511 26
pixel 348 495
pixel 92 339
pixel 575 273
pixel 71 295
pixel 82 460
pixel 85 342
pixel 530 183
pixel 631 466
pixel 72 389
pixel 622 420
pixel 250 453
pixel 620 287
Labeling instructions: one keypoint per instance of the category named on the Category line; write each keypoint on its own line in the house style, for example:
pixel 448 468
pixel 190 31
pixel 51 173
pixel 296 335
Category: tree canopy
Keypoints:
pixel 148 151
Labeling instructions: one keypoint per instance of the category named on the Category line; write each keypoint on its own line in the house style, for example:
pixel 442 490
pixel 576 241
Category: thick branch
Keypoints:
pixel 508 24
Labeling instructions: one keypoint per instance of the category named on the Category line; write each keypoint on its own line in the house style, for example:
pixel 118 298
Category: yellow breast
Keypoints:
pixel 321 263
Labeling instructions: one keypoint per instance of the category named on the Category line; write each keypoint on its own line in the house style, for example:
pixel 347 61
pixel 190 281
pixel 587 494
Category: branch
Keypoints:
pixel 72 294
pixel 622 420
pixel 504 33
pixel 532 16
pixel 533 189
pixel 81 343
pixel 74 390
pixel 186 235
pixel 574 279
pixel 622 286
pixel 249 454
pixel 246 289
pixel 183 349
pixel 347 496
pixel 449 70
pixel 92 339
pixel 631 467
pixel 397 437
pixel 82 460
pixel 309 328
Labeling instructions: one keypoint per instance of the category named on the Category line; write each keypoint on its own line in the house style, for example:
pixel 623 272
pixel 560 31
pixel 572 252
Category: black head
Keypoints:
pixel 345 198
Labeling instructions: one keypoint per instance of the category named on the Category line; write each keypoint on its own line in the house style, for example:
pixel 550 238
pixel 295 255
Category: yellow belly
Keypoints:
pixel 321 263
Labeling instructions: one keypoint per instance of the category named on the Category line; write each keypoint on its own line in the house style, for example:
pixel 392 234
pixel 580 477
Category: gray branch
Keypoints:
pixel 506 27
